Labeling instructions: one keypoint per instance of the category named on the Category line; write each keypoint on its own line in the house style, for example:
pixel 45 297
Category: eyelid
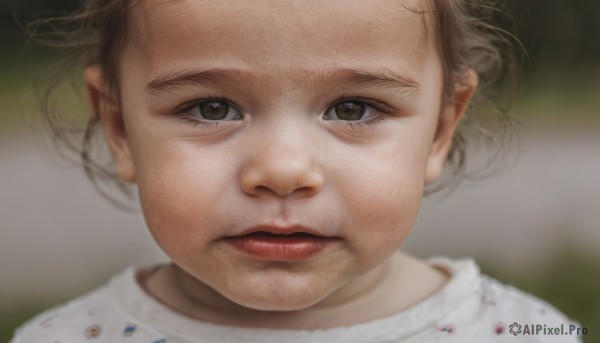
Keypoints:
pixel 375 104
pixel 381 109
pixel 185 107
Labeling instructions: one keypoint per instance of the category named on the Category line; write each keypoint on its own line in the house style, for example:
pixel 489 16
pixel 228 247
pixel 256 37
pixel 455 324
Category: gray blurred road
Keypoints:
pixel 59 237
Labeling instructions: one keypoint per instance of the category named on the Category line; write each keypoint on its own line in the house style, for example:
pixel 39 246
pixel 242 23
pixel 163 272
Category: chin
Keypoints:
pixel 278 305
pixel 278 296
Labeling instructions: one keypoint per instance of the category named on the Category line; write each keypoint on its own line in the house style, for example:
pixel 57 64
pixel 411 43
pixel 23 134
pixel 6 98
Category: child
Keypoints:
pixel 281 150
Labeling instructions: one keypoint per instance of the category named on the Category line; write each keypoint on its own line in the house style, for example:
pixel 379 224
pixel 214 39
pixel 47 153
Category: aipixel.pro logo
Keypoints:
pixel 545 330
pixel 515 328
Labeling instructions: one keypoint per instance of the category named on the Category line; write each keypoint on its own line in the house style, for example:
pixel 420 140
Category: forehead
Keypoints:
pixel 281 33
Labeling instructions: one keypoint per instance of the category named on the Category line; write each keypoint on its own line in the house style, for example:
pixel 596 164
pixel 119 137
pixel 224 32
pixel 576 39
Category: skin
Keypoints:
pixel 285 159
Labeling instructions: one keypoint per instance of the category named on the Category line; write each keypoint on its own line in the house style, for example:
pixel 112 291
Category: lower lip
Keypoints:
pixel 281 248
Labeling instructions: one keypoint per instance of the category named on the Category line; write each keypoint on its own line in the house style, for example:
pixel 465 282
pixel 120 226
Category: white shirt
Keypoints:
pixel 470 308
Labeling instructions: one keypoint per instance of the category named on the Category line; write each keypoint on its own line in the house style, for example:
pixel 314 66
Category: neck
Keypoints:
pixel 395 285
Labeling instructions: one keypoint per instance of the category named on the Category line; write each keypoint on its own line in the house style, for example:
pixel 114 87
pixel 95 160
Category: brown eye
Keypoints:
pixel 349 110
pixel 213 110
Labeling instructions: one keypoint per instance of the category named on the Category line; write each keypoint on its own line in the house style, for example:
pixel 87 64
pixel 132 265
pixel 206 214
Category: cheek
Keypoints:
pixel 179 185
pixel 382 197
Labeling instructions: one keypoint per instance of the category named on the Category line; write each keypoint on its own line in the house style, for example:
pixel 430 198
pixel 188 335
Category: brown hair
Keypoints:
pixel 467 37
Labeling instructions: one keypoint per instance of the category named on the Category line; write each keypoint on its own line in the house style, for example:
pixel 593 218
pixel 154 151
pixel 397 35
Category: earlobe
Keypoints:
pixel 108 110
pixel 450 115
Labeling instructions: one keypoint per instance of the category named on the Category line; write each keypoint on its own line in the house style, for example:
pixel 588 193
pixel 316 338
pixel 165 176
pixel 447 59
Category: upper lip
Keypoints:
pixel 281 230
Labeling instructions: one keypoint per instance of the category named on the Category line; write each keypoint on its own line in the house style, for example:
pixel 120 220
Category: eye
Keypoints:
pixel 214 110
pixel 348 110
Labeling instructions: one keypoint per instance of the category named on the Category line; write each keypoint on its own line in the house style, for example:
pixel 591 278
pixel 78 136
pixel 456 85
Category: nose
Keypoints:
pixel 282 170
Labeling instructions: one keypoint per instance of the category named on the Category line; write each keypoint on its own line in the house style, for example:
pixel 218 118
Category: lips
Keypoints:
pixel 279 235
pixel 283 230
pixel 280 244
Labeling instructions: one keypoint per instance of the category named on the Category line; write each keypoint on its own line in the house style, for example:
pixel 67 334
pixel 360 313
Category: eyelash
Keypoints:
pixel 381 112
pixel 181 112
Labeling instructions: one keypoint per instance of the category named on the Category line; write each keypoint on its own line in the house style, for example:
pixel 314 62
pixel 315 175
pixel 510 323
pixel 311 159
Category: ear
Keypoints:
pixel 451 113
pixel 107 107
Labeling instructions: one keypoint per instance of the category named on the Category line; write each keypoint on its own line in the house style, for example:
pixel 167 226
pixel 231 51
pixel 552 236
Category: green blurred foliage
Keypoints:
pixel 569 281
pixel 558 34
pixel 12 318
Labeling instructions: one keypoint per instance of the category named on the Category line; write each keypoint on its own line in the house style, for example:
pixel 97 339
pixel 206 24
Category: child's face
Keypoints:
pixel 286 78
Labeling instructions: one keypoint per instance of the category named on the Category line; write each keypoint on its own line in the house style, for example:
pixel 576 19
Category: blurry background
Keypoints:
pixel 536 225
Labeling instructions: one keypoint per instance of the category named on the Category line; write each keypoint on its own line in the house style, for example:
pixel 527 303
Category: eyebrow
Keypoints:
pixel 383 78
pixel 181 78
